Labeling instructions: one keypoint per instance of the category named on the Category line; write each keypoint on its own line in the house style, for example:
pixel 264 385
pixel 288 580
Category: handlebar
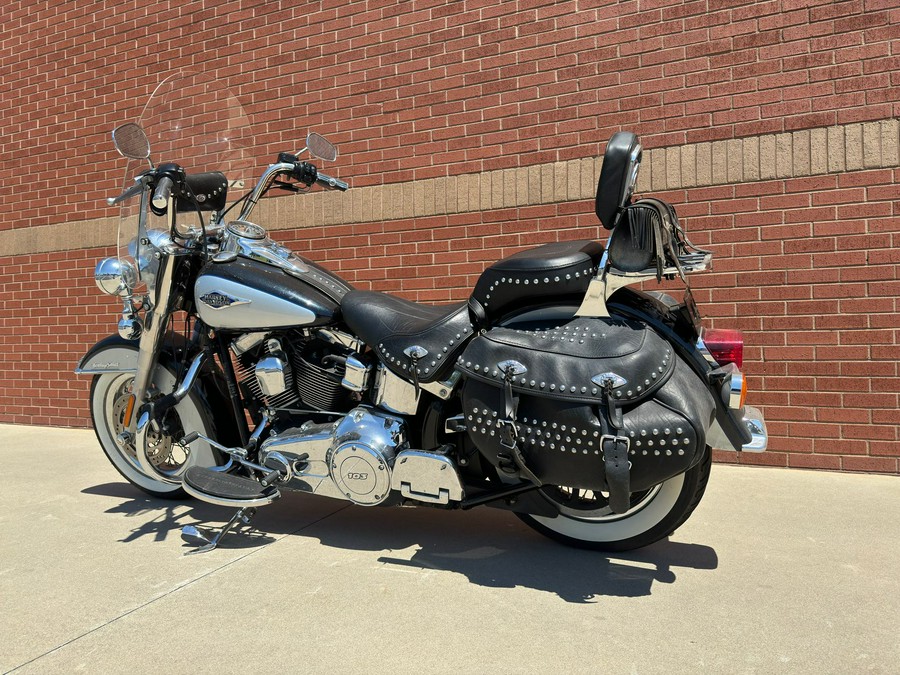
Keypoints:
pixel 162 193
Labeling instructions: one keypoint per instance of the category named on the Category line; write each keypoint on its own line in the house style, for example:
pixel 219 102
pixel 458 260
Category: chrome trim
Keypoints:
pixel 609 279
pixel 130 327
pixel 511 368
pixel 337 337
pixel 455 424
pixel 731 377
pixel 272 371
pixel 246 342
pixel 609 379
pixel 109 360
pixel 395 394
pixel 634 161
pixel 310 474
pixel 416 352
pixel 442 389
pixel 701 347
pixel 357 374
pixel 222 501
pixel 271 376
pixel 427 477
pixel 191 376
pixel 363 450
pixel 756 424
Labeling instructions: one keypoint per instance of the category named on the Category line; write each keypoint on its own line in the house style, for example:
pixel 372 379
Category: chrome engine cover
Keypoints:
pixel 349 459
pixel 365 445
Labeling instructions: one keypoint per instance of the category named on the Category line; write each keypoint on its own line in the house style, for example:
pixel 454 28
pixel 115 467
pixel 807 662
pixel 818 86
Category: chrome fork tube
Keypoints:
pixel 151 339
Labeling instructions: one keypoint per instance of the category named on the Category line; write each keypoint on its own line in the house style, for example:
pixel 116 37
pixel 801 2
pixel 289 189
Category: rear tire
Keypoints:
pixel 655 514
pixel 109 394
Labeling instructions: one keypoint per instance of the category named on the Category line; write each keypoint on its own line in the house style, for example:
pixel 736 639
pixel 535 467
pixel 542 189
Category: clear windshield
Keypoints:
pixel 193 121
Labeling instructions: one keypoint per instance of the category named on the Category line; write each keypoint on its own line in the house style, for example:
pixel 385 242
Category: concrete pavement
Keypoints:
pixel 777 571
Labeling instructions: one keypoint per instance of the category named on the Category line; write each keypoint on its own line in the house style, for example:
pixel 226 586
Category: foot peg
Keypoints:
pixel 225 489
pixel 206 539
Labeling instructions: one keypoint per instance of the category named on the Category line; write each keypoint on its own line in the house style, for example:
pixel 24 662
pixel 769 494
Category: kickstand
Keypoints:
pixel 210 540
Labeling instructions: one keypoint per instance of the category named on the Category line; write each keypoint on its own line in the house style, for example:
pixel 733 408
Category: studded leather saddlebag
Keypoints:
pixel 589 404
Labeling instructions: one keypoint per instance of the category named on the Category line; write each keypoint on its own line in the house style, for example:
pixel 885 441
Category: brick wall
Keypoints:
pixel 472 129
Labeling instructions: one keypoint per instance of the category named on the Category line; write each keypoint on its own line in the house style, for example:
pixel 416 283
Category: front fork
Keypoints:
pixel 155 322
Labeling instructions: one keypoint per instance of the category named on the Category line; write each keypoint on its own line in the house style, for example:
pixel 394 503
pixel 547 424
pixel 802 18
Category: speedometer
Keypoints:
pixel 246 229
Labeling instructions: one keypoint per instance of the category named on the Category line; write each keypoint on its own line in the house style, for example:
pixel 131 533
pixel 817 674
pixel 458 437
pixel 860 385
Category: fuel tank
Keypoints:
pixel 247 294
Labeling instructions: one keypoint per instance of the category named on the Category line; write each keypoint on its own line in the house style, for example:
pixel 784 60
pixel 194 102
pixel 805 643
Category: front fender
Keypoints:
pixel 113 354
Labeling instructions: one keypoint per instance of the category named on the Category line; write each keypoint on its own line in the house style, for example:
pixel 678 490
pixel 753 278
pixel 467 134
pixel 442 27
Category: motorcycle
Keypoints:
pixel 556 391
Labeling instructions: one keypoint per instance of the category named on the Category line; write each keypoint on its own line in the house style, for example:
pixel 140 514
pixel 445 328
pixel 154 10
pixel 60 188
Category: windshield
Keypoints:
pixel 190 119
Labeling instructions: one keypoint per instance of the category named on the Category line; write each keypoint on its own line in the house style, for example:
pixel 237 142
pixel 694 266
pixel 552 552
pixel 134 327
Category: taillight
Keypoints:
pixel 725 346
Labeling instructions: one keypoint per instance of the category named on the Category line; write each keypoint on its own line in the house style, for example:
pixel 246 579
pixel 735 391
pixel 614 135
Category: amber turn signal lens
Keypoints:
pixel 129 410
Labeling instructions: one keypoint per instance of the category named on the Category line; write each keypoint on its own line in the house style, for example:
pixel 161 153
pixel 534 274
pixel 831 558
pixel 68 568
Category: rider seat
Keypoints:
pixel 413 340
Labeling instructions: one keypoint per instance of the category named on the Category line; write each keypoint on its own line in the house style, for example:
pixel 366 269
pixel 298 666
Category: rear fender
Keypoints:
pixel 662 313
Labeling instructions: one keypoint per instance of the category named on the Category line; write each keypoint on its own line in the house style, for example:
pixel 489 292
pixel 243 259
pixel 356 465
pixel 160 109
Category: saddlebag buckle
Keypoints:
pixel 618 471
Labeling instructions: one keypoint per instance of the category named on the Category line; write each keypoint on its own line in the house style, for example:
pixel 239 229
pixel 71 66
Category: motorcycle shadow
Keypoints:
pixel 490 547
pixel 493 548
pixel 161 519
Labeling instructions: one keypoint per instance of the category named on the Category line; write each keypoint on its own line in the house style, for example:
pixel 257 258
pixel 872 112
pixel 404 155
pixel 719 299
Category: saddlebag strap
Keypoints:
pixel 618 468
pixel 612 407
pixel 511 457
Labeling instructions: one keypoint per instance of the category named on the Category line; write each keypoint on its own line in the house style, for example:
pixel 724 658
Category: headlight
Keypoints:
pixel 115 277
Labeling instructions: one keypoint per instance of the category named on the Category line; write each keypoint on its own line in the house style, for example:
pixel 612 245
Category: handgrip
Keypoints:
pixel 162 193
pixel 331 183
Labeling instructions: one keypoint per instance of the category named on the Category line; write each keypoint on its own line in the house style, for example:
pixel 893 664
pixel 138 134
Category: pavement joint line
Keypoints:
pixel 185 584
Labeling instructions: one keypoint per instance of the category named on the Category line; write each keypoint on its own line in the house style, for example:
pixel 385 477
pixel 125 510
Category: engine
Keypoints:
pixel 288 369
pixel 363 457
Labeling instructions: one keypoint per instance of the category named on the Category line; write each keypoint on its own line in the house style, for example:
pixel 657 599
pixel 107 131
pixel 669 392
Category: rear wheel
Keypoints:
pixel 110 394
pixel 586 521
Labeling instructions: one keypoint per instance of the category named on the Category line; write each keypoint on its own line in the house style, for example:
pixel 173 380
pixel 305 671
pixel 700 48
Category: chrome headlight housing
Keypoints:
pixel 115 276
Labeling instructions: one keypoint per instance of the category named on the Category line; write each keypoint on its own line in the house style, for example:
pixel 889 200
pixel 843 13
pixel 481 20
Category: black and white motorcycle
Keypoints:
pixel 241 369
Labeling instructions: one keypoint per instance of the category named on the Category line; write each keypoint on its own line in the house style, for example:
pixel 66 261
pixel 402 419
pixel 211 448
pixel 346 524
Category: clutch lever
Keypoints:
pixel 136 189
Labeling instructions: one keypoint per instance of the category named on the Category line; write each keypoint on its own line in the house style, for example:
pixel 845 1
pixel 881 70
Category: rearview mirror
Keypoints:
pixel 321 147
pixel 131 141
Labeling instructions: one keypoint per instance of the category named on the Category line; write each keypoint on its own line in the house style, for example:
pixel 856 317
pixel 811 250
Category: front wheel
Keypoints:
pixel 586 521
pixel 110 394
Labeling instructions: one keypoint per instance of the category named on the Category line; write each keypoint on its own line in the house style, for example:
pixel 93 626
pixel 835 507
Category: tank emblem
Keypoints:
pixel 220 300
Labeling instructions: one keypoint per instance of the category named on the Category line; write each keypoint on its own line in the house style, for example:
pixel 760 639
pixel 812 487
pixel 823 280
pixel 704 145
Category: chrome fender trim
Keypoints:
pixel 110 355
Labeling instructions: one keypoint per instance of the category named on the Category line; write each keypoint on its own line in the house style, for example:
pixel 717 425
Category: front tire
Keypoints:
pixel 109 401
pixel 585 520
